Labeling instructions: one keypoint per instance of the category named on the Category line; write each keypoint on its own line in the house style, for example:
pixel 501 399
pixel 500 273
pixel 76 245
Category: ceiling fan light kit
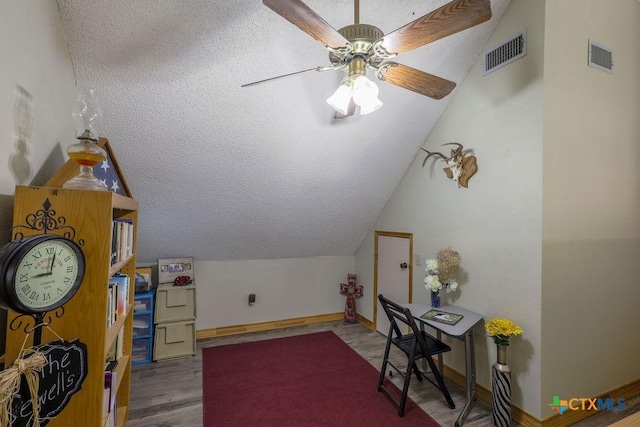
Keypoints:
pixel 358 47
pixel 365 95
pixel 363 91
pixel 341 97
pixel 356 85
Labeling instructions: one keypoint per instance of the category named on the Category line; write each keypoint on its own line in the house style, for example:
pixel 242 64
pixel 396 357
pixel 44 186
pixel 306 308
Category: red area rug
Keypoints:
pixel 302 381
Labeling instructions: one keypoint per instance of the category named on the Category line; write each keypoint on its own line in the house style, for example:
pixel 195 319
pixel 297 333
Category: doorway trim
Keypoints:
pixel 375 268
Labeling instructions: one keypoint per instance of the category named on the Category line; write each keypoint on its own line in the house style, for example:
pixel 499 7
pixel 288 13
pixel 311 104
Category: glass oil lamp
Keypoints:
pixel 87 116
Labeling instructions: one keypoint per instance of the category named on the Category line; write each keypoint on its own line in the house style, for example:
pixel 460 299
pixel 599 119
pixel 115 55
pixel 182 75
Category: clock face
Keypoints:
pixel 44 274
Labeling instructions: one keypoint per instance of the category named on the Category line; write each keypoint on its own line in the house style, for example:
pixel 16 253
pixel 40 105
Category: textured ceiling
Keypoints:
pixel 224 172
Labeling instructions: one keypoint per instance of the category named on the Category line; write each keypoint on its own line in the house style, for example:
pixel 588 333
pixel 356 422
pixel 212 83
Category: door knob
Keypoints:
pixel 403 266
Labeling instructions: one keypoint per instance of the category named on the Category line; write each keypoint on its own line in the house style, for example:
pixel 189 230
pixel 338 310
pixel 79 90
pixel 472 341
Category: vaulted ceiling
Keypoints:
pixel 223 172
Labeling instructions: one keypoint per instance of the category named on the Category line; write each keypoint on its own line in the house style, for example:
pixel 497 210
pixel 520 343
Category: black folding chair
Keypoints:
pixel 416 344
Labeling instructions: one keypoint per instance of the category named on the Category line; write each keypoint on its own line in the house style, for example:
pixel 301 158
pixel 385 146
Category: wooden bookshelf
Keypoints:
pixel 90 214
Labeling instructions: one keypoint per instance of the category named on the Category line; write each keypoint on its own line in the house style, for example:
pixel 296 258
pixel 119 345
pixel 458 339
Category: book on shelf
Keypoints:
pixel 111 304
pixel 117 298
pixel 111 355
pixel 120 344
pixel 121 240
pixel 113 242
pixel 109 397
pixel 116 351
pixel 442 316
pixel 121 282
pixel 110 364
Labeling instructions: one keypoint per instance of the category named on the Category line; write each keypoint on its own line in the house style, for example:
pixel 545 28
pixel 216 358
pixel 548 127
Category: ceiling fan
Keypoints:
pixel 358 47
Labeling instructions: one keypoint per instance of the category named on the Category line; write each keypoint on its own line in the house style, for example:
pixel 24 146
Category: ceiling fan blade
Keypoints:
pixel 287 75
pixel 417 81
pixel 449 19
pixel 350 111
pixel 300 15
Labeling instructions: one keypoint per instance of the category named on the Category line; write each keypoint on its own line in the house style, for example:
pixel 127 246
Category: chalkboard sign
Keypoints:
pixel 60 379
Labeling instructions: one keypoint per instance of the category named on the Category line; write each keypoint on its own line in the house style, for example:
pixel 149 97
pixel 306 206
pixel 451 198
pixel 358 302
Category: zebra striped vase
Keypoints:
pixel 501 386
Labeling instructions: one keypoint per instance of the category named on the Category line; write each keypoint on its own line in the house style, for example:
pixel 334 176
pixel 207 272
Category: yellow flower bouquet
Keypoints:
pixel 501 330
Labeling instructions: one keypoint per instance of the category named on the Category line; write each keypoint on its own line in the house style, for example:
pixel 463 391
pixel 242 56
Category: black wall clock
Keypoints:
pixel 40 273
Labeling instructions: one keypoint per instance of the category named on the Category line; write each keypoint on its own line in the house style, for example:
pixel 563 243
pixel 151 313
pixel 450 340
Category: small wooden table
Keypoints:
pixel 463 330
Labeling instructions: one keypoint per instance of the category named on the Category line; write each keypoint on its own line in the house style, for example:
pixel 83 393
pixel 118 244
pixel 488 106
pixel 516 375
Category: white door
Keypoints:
pixel 393 272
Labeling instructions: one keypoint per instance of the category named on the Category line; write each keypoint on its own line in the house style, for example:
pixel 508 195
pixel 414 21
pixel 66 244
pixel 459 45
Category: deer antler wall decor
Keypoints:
pixel 460 167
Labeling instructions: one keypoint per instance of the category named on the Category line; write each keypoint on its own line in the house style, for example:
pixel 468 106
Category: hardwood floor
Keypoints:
pixel 169 393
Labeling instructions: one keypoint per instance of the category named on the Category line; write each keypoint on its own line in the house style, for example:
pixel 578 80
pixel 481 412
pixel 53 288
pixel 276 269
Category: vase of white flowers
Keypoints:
pixel 440 274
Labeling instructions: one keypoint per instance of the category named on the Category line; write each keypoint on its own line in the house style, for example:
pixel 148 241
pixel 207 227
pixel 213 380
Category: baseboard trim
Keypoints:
pixel 365 322
pixel 266 326
pixel 569 418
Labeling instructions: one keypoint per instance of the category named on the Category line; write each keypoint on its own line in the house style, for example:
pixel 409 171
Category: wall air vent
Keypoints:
pixel 600 57
pixel 505 53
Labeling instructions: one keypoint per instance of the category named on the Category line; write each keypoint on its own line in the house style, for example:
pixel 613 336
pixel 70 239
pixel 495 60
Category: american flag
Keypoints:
pixel 108 175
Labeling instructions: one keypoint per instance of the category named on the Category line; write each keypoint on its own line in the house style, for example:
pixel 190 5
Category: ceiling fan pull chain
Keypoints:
pixel 320 68
pixel 327 68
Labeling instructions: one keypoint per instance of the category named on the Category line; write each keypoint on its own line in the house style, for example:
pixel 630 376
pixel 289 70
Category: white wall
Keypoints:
pixel 37 90
pixel 284 288
pixel 495 224
pixel 591 235
pixel 36 74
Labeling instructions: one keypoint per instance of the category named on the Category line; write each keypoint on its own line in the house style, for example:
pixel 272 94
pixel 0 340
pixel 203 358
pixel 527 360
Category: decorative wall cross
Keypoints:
pixel 351 290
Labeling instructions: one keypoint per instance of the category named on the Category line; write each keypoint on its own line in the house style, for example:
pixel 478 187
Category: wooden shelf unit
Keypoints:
pixel 90 213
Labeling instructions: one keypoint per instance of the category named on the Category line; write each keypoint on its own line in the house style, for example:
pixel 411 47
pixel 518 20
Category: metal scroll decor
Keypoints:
pixel 45 221
pixel 23 321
